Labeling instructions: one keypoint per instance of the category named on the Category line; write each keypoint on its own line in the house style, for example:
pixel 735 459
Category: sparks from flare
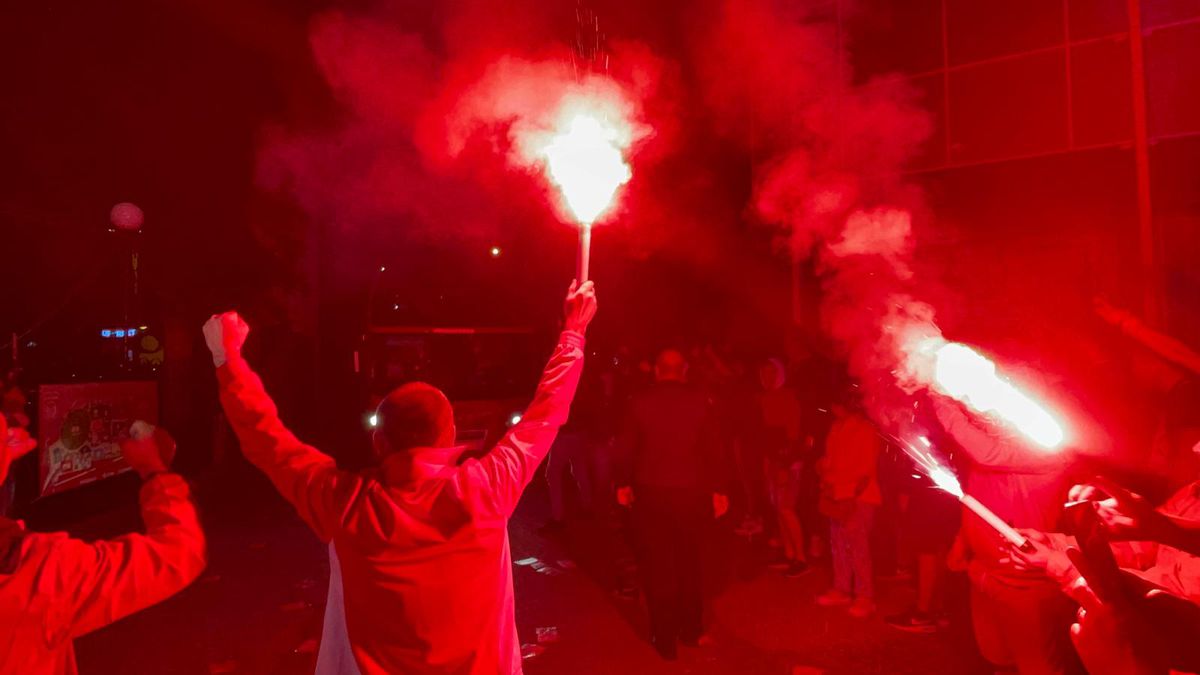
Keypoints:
pixel 946 480
pixel 971 378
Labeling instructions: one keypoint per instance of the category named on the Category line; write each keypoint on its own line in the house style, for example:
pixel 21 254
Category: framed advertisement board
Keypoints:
pixel 79 426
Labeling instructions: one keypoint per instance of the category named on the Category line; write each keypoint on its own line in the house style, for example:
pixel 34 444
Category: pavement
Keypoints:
pixel 258 607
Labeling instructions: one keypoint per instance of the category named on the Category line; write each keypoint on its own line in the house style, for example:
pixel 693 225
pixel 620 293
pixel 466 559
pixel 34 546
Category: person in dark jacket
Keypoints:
pixel 672 452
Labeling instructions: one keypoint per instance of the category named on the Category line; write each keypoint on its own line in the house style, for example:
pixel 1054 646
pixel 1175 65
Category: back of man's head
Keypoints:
pixel 670 366
pixel 415 415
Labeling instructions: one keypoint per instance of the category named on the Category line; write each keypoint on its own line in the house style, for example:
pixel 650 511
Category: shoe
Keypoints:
pixel 833 598
pixel 797 569
pixel 862 608
pixel 665 648
pixel 913 622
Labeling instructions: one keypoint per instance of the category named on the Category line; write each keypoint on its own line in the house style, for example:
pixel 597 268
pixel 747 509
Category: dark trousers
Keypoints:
pixel 670 525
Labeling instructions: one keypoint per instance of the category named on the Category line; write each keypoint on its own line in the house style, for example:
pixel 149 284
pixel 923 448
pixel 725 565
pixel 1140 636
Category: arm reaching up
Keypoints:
pixel 306 477
pixel 988 449
pixel 499 478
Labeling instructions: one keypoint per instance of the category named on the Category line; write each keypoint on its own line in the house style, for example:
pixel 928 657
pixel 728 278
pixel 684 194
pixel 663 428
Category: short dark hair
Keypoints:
pixel 415 415
pixel 670 364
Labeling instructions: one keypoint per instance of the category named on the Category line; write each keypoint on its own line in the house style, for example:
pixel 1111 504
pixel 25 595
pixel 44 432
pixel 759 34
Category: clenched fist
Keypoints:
pixel 149 449
pixel 225 334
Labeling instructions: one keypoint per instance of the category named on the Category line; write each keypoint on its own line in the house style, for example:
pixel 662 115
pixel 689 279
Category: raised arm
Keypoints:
pixel 498 479
pixel 989 450
pixel 306 477
pixel 101 582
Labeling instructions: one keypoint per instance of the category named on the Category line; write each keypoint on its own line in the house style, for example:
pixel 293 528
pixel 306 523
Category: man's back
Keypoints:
pixel 36 632
pixel 422 543
pixel 430 588
pixel 671 437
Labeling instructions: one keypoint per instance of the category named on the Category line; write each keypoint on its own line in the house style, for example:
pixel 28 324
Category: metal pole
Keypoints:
pixel 1151 301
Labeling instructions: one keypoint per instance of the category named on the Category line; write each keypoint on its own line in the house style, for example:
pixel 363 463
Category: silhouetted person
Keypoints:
pixel 420 568
pixel 1020 618
pixel 54 588
pixel 672 450
pixel 849 497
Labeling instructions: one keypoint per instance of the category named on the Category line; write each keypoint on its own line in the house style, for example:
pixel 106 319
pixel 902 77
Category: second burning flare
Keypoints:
pixel 972 379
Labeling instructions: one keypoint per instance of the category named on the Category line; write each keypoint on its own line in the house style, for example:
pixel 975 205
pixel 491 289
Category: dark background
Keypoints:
pixel 162 104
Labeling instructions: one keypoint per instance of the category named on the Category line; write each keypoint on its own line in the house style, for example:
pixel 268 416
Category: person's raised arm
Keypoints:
pixel 306 477
pixel 101 582
pixel 499 478
pixel 986 449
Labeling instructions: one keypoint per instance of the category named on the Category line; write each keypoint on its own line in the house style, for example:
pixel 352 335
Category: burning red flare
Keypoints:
pixel 587 165
pixel 971 378
pixel 583 155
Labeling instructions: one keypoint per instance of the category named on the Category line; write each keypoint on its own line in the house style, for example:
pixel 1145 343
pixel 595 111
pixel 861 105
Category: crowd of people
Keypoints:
pixel 420 565
pixel 790 452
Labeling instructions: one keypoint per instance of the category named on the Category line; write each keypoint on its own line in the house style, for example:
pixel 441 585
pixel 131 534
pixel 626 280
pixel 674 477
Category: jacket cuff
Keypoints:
pixel 226 372
pixel 572 338
pixel 164 483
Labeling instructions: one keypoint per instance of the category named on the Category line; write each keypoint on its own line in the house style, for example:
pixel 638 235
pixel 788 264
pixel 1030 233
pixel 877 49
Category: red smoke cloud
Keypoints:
pixel 434 121
pixel 828 155
pixel 430 116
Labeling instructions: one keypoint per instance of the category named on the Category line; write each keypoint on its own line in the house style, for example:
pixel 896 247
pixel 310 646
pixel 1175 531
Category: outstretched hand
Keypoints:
pixel 225 334
pixel 1124 514
pixel 580 306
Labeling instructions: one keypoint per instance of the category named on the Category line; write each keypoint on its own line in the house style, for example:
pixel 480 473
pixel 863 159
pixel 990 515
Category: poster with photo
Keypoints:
pixel 79 426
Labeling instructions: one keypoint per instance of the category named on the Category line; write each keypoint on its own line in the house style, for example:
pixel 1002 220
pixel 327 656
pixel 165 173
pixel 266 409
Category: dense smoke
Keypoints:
pixel 829 153
pixel 433 122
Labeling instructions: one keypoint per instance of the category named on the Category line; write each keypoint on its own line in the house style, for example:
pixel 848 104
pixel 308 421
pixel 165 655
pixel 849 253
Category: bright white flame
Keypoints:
pixel 373 421
pixel 584 160
pixel 970 377
pixel 514 420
